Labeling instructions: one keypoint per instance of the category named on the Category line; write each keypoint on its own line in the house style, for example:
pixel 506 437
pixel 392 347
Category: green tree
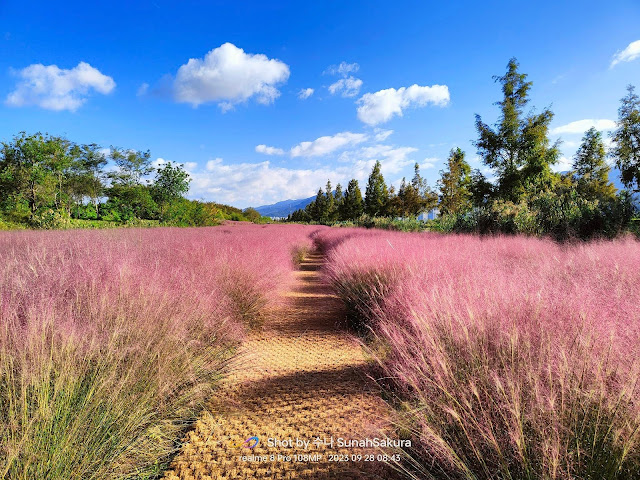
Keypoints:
pixel 518 149
pixel 132 166
pixel 454 185
pixel 331 214
pixel 32 172
pixel 481 189
pixel 416 197
pixel 352 205
pixel 376 193
pixel 338 199
pixel 170 184
pixel 626 138
pixel 85 178
pixel 590 170
pixel 252 215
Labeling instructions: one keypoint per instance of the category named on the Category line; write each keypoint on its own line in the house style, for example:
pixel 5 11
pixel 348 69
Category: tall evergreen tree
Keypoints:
pixel 331 213
pixel 376 194
pixel 518 149
pixel 352 206
pixel 416 197
pixel 590 170
pixel 454 183
pixel 338 198
pixel 626 138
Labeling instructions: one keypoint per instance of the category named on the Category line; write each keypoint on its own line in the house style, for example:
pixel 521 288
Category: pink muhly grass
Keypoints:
pixel 511 357
pixel 111 341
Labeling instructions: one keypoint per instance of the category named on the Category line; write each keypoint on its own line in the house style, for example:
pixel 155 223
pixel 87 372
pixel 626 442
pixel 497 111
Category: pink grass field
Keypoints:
pixel 111 340
pixel 509 357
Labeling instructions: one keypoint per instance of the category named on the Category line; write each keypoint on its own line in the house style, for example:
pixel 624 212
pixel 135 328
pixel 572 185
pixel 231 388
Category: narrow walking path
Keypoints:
pixel 300 378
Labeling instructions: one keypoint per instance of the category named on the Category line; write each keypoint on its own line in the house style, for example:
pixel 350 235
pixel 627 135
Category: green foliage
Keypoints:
pixel 454 185
pixel 626 137
pixel 171 183
pixel 376 195
pixel 518 150
pixel 413 198
pixel 352 205
pixel 590 170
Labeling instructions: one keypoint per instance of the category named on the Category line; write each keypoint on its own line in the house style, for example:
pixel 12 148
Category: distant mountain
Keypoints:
pixel 284 208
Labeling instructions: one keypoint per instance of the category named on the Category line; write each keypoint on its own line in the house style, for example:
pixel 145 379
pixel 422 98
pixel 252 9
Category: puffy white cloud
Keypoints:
pixel 581 126
pixel 269 150
pixel 347 87
pixel 230 76
pixel 381 106
pixel 343 69
pixel 327 144
pixel 305 93
pixel 55 88
pixel 627 55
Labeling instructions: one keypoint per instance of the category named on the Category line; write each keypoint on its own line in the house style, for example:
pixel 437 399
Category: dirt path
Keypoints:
pixel 300 378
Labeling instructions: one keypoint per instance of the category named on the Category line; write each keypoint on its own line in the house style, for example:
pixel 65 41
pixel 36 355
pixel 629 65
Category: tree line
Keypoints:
pixel 45 181
pixel 523 194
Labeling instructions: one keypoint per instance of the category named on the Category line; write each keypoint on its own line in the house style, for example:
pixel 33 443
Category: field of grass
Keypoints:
pixel 505 357
pixel 111 340
pixel 502 357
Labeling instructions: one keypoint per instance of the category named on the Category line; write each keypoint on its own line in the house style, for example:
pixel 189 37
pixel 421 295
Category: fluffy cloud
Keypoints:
pixel 305 93
pixel 347 87
pixel 381 106
pixel 327 144
pixel 627 55
pixel 343 69
pixel 269 150
pixel 57 88
pixel 230 76
pixel 581 126
pixel 429 162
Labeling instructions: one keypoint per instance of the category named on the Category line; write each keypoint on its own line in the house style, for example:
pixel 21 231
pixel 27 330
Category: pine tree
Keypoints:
pixel 518 149
pixel 376 194
pixel 454 183
pixel 626 138
pixel 330 205
pixel 338 198
pixel 352 205
pixel 590 170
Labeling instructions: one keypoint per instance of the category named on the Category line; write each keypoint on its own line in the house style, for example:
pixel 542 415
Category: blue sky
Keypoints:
pixel 218 86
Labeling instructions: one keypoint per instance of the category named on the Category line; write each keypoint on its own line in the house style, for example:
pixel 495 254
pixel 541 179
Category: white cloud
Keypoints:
pixel 347 87
pixel 327 144
pixel 305 93
pixel 581 126
pixel 269 150
pixel 381 106
pixel 142 89
pixel 381 135
pixel 262 183
pixel 343 69
pixel 627 55
pixel 230 76
pixel 429 162
pixel 55 88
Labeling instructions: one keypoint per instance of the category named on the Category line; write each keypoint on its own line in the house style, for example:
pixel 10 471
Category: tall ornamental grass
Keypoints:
pixel 111 341
pixel 506 357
